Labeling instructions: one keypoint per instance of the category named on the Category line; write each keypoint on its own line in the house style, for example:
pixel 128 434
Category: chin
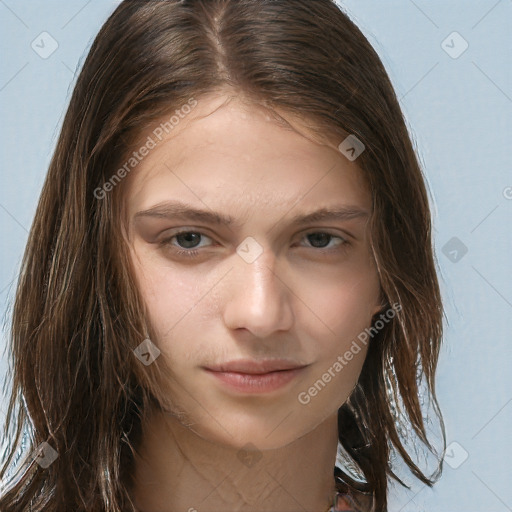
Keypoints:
pixel 262 433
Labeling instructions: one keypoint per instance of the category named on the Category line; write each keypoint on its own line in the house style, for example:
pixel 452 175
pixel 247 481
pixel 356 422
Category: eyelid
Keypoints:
pixel 179 231
pixel 346 236
pixel 194 251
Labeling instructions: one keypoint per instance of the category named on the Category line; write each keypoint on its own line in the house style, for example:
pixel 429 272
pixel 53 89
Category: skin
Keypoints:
pixel 297 300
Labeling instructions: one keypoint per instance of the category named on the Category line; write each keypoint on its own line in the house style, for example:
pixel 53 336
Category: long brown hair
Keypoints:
pixel 77 311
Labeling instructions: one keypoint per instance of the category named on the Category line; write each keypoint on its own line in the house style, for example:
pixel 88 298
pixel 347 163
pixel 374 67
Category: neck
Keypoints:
pixel 177 470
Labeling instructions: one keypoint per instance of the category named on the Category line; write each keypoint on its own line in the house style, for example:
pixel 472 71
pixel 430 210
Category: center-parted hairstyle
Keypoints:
pixel 78 315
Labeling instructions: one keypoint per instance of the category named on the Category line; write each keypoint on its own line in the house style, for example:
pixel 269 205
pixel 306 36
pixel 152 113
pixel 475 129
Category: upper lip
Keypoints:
pixel 252 366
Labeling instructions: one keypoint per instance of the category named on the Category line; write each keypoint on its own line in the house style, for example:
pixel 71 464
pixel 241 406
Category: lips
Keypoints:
pixel 255 377
pixel 255 367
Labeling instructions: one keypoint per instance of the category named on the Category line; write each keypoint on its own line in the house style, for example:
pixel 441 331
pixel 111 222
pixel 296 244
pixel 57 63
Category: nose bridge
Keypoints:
pixel 260 282
pixel 258 297
pixel 262 278
pixel 256 262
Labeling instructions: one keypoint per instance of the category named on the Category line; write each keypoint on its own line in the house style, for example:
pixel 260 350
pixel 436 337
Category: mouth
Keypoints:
pixel 250 376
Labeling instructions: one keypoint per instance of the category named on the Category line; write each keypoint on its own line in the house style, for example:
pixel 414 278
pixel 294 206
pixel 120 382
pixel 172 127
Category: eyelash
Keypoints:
pixel 193 253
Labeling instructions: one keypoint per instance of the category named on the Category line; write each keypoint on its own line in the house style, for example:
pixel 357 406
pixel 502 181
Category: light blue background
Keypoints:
pixel 460 113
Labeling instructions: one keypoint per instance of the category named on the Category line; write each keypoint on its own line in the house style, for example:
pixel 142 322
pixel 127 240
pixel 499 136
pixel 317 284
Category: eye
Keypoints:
pixel 321 239
pixel 186 239
pixel 189 240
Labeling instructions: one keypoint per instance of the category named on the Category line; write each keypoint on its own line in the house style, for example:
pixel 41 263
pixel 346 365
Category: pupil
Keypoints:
pixel 186 237
pixel 323 236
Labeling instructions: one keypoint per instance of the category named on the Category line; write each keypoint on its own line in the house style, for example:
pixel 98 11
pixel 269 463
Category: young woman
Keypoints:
pixel 228 299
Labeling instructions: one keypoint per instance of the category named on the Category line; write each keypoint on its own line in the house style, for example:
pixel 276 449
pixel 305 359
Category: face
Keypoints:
pixel 251 278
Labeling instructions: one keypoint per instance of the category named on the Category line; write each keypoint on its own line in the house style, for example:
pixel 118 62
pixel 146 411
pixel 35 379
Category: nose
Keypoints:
pixel 258 296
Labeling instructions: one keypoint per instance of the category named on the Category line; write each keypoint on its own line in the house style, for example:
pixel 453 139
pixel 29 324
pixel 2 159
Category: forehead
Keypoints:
pixel 228 148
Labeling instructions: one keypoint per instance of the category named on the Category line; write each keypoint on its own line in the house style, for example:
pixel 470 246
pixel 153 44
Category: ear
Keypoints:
pixel 381 306
pixel 377 309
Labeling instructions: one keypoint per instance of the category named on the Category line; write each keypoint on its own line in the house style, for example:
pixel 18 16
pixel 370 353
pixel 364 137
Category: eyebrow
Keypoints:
pixel 178 210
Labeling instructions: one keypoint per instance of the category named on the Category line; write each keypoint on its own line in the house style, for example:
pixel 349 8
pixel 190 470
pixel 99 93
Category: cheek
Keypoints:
pixel 341 344
pixel 342 308
pixel 169 294
pixel 340 330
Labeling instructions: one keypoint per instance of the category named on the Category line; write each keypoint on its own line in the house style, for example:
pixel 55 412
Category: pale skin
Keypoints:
pixel 296 300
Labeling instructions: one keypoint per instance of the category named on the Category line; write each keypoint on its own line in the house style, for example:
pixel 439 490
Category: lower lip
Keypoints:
pixel 256 383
